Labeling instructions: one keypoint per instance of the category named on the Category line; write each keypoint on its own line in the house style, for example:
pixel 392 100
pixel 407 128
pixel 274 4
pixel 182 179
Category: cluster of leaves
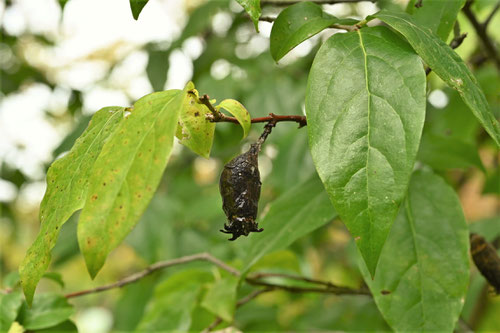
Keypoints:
pixel 366 108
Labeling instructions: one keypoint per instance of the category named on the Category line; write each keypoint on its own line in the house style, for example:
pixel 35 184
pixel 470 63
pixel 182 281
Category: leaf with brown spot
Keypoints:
pixel 195 131
pixel 124 198
pixel 67 185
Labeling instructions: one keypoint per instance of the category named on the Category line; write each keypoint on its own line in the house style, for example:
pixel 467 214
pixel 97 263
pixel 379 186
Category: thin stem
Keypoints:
pixel 481 32
pixel 493 12
pixel 334 26
pixel 154 267
pixel 327 290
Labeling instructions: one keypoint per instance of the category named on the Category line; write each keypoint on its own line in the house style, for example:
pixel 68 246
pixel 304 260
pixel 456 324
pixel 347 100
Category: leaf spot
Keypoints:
pixel 94 197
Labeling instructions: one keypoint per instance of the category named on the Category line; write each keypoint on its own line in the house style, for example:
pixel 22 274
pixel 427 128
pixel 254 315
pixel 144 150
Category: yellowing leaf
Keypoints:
pixel 239 112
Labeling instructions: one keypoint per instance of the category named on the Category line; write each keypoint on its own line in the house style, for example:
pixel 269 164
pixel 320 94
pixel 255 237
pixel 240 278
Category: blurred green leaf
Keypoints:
pixel 173 301
pixel 297 23
pixel 423 273
pixel 67 185
pixel 195 131
pixel 252 7
pixel 126 175
pixel 47 310
pixel 437 15
pixel 278 261
pixel 11 280
pixel 54 276
pixel 64 327
pixel 239 112
pixel 136 6
pixel 296 213
pixel 492 182
pixel 443 152
pixel 157 68
pixel 488 228
pixel 447 65
pixel 365 109
pixel 220 298
pixel 10 305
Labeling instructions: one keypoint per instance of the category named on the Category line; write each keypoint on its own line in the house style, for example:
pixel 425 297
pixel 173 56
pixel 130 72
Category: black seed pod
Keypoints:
pixel 240 190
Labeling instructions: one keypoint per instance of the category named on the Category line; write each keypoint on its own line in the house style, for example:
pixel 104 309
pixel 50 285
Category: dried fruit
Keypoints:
pixel 240 190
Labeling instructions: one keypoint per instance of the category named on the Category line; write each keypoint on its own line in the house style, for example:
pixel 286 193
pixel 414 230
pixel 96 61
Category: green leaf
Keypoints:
pixel 126 175
pixel 220 298
pixel 54 276
pixel 47 310
pixel 10 305
pixel 173 301
pixel 443 152
pixel 447 65
pixel 488 228
pixel 239 112
pixel 136 6
pixel 365 109
pixel 252 7
pixel 423 272
pixel 437 15
pixel 297 23
pixel 299 211
pixel 64 327
pixel 67 185
pixel 492 182
pixel 195 131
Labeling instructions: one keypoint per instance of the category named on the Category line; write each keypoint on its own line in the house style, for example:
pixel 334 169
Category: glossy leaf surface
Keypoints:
pixel 423 273
pixel 447 65
pixel 126 175
pixel 67 185
pixel 297 23
pixel 365 109
pixel 302 209
pixel 437 15
pixel 10 305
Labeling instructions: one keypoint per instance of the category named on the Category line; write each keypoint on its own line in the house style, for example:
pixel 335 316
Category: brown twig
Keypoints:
pixel 295 277
pixel 481 32
pixel 219 117
pixel 154 267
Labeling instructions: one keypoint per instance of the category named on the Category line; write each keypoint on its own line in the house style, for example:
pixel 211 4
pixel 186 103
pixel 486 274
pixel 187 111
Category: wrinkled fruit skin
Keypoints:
pixel 240 190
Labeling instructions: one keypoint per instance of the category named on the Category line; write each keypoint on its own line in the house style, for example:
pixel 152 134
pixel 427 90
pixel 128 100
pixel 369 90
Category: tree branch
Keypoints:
pixel 293 289
pixel 481 32
pixel 154 267
pixel 493 12
pixel 219 117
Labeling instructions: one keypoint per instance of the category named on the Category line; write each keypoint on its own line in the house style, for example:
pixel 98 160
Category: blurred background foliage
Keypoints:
pixel 61 61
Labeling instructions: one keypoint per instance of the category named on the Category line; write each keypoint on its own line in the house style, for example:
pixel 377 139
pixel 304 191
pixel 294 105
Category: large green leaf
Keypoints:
pixel 365 109
pixel 173 301
pixel 296 213
pixel 297 23
pixel 437 15
pixel 10 305
pixel 252 7
pixel 447 65
pixel 67 185
pixel 136 6
pixel 48 310
pixel 126 175
pixel 423 272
